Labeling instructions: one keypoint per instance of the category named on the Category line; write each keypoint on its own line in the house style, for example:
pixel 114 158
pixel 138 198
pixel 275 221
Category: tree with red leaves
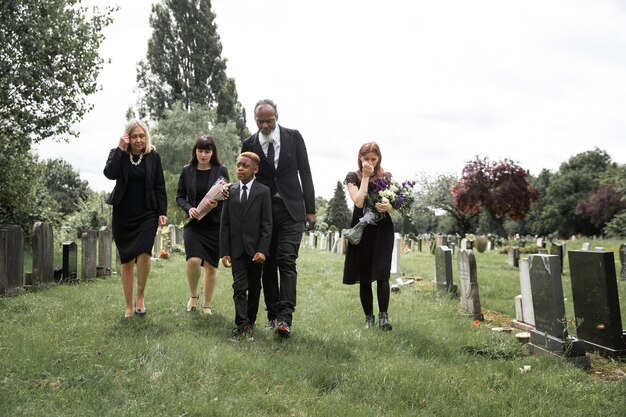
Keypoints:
pixel 601 205
pixel 499 188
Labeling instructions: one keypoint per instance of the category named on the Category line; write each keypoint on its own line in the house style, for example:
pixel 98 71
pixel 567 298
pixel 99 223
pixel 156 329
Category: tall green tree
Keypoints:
pixel 576 179
pixel 435 195
pixel 174 136
pixel 338 213
pixel 49 64
pixel 64 185
pixel 184 64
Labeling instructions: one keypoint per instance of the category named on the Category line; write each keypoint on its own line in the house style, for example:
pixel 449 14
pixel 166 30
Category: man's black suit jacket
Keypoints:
pixel 246 229
pixel 292 179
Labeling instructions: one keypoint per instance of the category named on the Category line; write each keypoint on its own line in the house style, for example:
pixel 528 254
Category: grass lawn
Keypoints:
pixel 67 351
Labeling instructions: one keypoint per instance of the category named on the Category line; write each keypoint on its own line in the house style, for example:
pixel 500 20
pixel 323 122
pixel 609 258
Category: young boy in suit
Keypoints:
pixel 245 236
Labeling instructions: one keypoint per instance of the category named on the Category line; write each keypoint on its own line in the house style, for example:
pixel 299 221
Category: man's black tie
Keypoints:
pixel 270 153
pixel 244 196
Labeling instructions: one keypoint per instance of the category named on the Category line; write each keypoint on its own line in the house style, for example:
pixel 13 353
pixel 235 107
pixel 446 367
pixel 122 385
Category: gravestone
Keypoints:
pixel 395 254
pixel 419 245
pixel 527 315
pixel 158 244
pixel 172 230
pixel 586 246
pixel 43 254
pixel 322 243
pixel 513 257
pixel 470 299
pixel 550 334
pixel 559 250
pixel 105 250
pixel 88 254
pixel 443 270
pixel 596 302
pixel 70 261
pixel 622 260
pixel 11 258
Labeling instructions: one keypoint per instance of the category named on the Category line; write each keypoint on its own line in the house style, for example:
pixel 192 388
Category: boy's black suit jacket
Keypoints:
pixel 246 229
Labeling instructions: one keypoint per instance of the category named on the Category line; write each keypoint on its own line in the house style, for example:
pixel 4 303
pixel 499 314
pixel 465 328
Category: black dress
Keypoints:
pixel 134 225
pixel 202 236
pixel 370 260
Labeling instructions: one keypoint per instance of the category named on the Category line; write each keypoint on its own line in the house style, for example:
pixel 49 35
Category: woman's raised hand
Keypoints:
pixel 124 141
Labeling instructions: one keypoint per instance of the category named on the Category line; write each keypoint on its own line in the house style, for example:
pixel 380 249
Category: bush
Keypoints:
pixel 481 244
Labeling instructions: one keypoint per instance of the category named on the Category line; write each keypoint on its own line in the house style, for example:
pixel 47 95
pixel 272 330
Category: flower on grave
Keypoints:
pixel 163 254
pixel 476 323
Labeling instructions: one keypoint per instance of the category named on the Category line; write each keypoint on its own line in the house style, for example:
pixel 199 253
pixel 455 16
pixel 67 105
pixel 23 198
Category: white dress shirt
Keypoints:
pixel 273 137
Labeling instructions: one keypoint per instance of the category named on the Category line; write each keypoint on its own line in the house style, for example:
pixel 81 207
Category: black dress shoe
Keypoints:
pixel 383 322
pixel 369 322
pixel 271 324
pixel 283 329
pixel 242 333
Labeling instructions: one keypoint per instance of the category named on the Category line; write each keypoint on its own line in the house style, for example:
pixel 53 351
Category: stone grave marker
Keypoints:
pixel 395 254
pixel 70 261
pixel 88 254
pixel 43 254
pixel 11 258
pixel 105 250
pixel 622 260
pixel 469 299
pixel 596 302
pixel 525 308
pixel 443 270
pixel 559 250
pixel 158 244
pixel 586 246
pixel 550 334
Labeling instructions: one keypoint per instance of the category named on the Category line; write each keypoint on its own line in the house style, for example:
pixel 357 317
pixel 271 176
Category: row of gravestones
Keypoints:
pixel 96 257
pixel 541 305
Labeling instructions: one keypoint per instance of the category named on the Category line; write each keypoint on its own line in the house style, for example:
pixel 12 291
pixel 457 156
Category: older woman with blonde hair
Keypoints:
pixel 139 207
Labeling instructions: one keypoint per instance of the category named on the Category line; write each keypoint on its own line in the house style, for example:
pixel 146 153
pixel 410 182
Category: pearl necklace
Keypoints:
pixel 130 156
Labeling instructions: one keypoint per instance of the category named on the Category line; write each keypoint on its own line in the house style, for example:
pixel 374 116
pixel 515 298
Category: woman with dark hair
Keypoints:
pixel 370 259
pixel 201 236
pixel 139 207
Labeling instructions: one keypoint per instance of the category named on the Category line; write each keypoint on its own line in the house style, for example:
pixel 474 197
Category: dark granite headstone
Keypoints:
pixel 622 261
pixel 105 250
pixel 470 298
pixel 558 249
pixel 419 245
pixel 43 253
pixel 443 268
pixel 550 334
pixel 596 302
pixel 11 258
pixel 88 255
pixel 70 261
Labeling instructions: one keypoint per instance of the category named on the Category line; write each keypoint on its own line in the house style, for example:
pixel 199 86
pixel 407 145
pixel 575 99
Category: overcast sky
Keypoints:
pixel 435 83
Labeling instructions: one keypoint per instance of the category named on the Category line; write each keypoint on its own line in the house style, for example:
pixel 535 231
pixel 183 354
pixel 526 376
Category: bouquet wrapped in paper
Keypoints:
pixel 385 189
pixel 215 193
pixel 354 234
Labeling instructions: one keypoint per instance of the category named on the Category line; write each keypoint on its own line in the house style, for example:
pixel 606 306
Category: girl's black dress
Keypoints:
pixel 134 225
pixel 202 236
pixel 370 260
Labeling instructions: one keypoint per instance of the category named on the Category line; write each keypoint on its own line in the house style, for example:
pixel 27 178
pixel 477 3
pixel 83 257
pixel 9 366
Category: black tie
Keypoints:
pixel 244 196
pixel 270 154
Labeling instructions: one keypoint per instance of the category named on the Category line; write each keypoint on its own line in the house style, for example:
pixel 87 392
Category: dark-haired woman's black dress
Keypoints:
pixel 134 225
pixel 370 260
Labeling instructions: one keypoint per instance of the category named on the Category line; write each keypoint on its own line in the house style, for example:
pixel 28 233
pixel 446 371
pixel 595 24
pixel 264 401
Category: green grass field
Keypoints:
pixel 67 351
